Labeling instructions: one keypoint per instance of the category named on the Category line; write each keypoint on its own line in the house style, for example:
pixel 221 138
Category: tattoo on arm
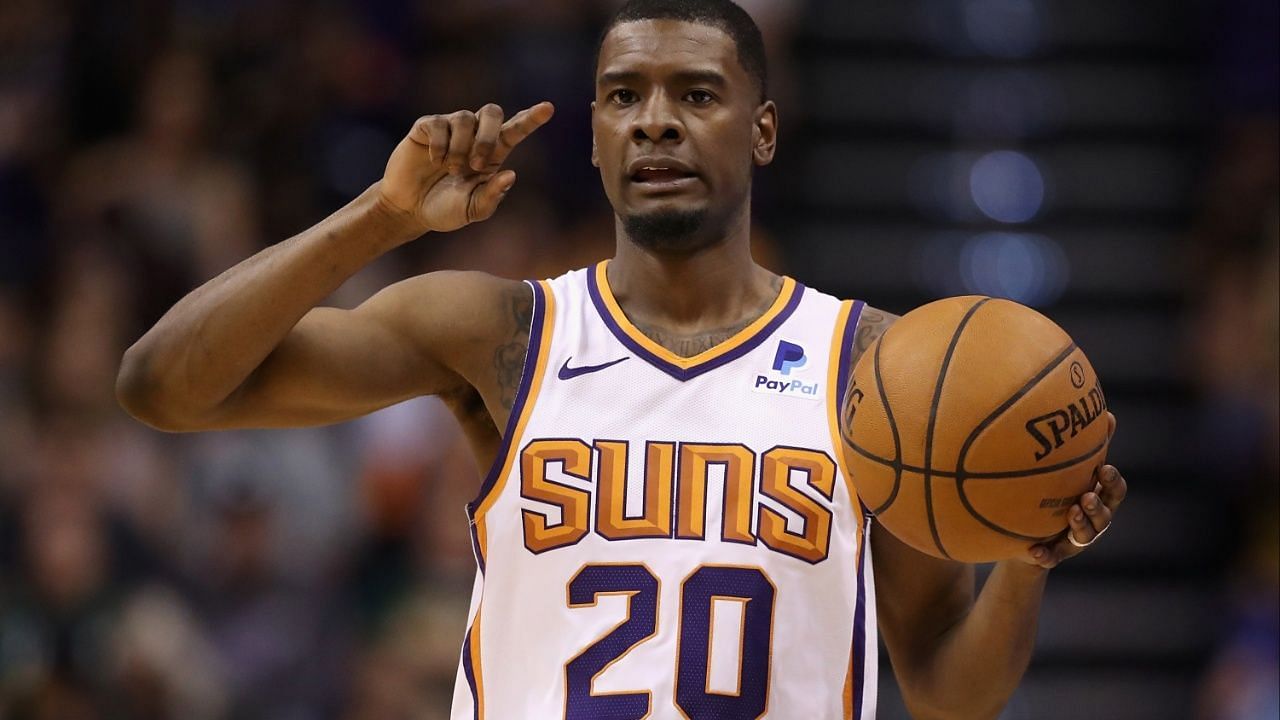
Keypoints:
pixel 871 325
pixel 508 357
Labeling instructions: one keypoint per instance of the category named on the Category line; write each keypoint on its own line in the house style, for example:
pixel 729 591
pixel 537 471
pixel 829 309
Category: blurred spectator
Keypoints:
pixel 55 626
pixel 1236 349
pixel 190 209
pixel 1241 372
pixel 279 642
pixel 163 663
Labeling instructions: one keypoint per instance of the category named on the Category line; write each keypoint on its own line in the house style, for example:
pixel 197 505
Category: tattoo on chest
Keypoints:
pixel 689 345
pixel 508 357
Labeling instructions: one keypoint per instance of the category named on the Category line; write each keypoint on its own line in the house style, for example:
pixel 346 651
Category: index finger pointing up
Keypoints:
pixel 520 126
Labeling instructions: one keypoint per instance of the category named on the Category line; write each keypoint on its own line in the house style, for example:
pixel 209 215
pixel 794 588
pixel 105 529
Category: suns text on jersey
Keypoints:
pixel 676 475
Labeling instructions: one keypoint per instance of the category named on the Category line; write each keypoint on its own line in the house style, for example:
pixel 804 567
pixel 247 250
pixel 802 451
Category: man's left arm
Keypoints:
pixel 957 657
pixel 954 655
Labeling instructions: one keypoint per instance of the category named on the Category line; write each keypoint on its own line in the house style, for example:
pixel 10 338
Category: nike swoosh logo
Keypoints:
pixel 568 373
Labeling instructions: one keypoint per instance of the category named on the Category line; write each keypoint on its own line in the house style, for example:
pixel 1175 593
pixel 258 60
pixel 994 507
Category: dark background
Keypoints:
pixel 1111 162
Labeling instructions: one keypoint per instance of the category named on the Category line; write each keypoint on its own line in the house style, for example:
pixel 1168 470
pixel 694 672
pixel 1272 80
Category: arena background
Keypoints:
pixel 1112 162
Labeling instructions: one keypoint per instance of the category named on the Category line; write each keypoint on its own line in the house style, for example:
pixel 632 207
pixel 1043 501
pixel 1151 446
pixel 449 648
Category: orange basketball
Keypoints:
pixel 975 424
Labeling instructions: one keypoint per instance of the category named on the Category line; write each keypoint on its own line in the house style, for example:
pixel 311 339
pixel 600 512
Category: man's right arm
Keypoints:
pixel 250 349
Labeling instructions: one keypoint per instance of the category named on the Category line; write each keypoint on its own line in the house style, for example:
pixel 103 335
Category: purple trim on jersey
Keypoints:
pixel 470 671
pixel 517 407
pixel 675 371
pixel 860 619
pixel 846 347
pixel 843 370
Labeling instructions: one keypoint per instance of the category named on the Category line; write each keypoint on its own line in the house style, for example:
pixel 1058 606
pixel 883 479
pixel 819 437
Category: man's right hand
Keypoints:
pixel 447 172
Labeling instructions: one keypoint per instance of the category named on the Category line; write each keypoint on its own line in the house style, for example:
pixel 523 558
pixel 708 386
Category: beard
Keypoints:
pixel 676 232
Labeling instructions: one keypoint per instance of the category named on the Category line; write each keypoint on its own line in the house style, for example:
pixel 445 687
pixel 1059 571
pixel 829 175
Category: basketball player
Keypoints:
pixel 667 529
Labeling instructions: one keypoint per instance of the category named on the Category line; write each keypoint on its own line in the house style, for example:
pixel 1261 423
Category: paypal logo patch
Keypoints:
pixel 788 357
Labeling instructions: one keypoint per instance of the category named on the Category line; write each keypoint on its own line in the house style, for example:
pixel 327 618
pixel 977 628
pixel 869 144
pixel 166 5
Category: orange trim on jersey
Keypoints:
pixel 848 691
pixel 833 404
pixel 476 670
pixel 684 363
pixel 850 678
pixel 834 391
pixel 512 449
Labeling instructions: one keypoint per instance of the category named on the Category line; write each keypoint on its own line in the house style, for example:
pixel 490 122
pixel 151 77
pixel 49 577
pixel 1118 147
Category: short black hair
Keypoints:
pixel 724 15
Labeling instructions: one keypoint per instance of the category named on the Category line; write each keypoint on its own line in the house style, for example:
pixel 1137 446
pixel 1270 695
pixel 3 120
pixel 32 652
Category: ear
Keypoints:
pixel 765 133
pixel 595 156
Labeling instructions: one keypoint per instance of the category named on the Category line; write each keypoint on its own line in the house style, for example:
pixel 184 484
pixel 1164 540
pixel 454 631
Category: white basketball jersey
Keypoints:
pixel 665 537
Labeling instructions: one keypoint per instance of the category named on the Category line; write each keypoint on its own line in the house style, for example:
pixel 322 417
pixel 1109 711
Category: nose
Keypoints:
pixel 656 121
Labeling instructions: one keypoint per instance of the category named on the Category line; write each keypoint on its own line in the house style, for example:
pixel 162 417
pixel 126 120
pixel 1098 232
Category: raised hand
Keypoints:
pixel 447 172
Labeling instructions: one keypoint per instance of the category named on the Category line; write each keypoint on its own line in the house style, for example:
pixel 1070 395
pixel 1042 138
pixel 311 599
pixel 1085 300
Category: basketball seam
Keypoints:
pixel 896 463
pixel 1004 406
pixel 1001 475
pixel 961 475
pixel 933 419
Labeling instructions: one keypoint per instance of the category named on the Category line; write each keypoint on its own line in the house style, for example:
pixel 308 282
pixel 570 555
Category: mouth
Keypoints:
pixel 661 173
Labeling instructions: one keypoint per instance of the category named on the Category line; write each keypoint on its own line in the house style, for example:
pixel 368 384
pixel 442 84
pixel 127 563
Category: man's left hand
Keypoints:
pixel 1088 519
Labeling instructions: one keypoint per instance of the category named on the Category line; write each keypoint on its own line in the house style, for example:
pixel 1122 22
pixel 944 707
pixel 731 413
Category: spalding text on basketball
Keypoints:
pixel 1052 430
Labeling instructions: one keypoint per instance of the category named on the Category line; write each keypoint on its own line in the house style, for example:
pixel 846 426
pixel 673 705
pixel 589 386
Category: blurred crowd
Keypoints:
pixel 1234 346
pixel 147 145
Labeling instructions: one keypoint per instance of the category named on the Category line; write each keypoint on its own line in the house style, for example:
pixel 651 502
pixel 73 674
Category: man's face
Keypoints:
pixel 677 126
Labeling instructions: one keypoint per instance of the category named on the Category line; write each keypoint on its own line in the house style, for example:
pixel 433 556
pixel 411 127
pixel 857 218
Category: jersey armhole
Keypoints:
pixel 535 363
pixel 840 370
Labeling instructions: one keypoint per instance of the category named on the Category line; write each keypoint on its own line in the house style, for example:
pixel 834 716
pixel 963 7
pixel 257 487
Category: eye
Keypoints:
pixel 622 96
pixel 699 97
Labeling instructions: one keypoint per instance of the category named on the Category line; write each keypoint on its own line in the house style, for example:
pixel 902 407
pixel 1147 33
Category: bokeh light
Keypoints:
pixel 1007 186
pixel 961 185
pixel 1026 267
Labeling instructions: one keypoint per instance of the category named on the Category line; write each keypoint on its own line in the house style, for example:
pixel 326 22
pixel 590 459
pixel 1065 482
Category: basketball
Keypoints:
pixel 974 424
